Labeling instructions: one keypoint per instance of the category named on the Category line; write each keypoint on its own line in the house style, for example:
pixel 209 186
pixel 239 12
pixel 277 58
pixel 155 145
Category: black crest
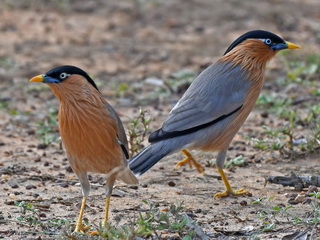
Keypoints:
pixel 258 34
pixel 55 73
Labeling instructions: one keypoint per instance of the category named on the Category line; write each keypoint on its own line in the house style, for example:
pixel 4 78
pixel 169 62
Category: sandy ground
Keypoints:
pixel 126 42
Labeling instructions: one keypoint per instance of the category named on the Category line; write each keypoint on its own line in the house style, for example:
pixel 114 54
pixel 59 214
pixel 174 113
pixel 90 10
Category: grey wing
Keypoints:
pixel 217 91
pixel 122 137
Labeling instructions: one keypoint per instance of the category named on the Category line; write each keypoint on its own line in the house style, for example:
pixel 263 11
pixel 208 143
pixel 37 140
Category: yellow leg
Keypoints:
pixel 191 161
pixel 105 220
pixel 229 191
pixel 80 227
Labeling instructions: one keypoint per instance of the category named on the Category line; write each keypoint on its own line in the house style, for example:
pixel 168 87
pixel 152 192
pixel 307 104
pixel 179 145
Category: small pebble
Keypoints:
pixel 293 202
pixel 31 131
pixel 135 187
pixel 30 186
pixel 144 185
pixel 264 114
pixel 42 146
pixel 243 203
pixel 64 185
pixel 69 169
pixel 12 196
pixel 46 164
pixel 37 159
pixel 198 210
pixel 13 185
pixel 171 184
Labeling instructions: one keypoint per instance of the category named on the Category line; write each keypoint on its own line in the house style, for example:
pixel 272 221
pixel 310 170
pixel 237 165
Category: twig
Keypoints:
pixel 298 182
pixel 197 229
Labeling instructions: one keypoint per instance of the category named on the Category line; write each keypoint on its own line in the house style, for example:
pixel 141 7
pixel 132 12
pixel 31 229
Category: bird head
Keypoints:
pixel 267 39
pixel 67 80
pixel 254 49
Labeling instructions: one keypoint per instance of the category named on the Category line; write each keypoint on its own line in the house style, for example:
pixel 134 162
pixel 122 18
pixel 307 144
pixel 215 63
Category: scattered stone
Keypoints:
pixel 243 203
pixel 64 184
pixel 35 195
pixel 69 169
pixel 2 144
pixel 37 159
pixel 31 131
pixel 144 185
pixel 171 184
pixel 30 186
pixel 135 187
pixel 12 196
pixel 13 184
pixel 264 114
pixel 46 164
pixel 293 202
pixel 42 146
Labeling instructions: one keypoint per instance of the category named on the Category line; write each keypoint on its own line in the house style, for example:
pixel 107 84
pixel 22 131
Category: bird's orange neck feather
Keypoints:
pixel 252 55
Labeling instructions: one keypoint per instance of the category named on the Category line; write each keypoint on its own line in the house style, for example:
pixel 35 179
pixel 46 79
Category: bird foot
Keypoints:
pixel 192 162
pixel 94 233
pixel 226 193
pixel 81 228
pixel 102 226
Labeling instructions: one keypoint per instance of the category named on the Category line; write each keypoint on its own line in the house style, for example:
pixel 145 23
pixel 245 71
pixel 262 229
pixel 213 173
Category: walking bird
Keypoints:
pixel 215 106
pixel 91 131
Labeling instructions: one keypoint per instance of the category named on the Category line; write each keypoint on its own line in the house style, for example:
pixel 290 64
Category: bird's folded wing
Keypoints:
pixel 121 135
pixel 218 92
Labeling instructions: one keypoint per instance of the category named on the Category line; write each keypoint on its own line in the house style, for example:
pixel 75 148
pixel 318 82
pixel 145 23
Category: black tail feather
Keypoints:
pixel 147 158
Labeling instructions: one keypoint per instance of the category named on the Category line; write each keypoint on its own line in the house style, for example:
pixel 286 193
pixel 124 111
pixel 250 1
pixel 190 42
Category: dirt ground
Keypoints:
pixel 124 43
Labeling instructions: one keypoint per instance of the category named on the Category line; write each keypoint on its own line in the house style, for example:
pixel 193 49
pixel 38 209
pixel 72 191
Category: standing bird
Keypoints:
pixel 91 131
pixel 215 106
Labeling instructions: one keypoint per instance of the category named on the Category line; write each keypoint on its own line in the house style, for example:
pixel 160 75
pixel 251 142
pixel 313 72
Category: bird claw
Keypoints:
pixel 191 162
pixel 226 193
pixel 94 233
pixel 81 228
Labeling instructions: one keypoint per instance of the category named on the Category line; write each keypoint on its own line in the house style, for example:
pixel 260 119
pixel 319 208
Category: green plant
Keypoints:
pixel 151 223
pixel 281 140
pixel 315 204
pixel 47 129
pixel 137 130
pixel 237 161
pixel 269 213
pixel 29 213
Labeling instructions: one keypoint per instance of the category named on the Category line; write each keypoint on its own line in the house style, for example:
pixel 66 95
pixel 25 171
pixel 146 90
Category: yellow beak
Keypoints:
pixel 38 78
pixel 292 45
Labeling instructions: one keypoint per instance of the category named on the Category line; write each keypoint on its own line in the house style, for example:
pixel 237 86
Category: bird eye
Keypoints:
pixel 63 76
pixel 268 41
